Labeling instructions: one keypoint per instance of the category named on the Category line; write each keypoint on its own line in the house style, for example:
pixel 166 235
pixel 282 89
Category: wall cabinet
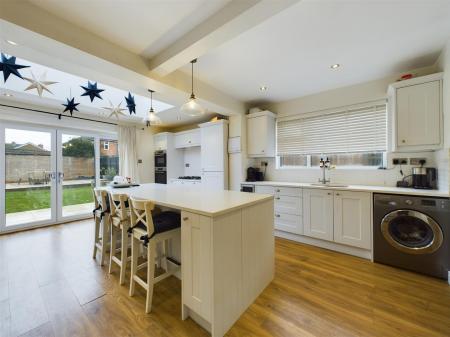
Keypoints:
pixel 160 141
pixel 339 216
pixel 187 138
pixel 318 213
pixel 416 113
pixel 261 134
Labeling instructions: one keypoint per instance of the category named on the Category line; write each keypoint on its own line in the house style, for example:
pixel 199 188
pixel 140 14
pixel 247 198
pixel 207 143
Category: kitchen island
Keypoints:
pixel 227 249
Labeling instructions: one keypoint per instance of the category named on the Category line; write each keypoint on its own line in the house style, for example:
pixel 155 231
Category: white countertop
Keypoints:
pixel 362 188
pixel 197 200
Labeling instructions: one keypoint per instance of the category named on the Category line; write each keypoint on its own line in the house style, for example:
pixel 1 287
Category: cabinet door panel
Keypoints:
pixel 318 214
pixel 213 180
pixel 288 205
pixel 212 148
pixel 256 137
pixel 418 115
pixel 196 263
pixel 288 191
pixel 265 189
pixel 289 223
pixel 352 218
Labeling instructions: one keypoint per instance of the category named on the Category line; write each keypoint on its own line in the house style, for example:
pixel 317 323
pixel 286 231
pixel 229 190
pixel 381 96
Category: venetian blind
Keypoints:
pixel 362 129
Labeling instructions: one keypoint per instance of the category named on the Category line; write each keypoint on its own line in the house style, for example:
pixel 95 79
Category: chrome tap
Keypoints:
pixel 324 165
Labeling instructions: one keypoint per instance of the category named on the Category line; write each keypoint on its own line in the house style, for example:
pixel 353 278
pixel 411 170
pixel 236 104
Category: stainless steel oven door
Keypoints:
pixel 412 232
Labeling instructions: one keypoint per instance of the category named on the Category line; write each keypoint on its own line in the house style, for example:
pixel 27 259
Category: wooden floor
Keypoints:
pixel 51 287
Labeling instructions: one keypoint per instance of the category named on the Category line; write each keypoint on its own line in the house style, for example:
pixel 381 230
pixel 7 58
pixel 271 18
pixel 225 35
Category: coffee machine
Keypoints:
pixel 424 178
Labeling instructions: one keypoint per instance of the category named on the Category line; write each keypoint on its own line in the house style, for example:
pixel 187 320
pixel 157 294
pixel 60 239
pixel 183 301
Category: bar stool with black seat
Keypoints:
pixel 149 230
pixel 102 224
pixel 120 224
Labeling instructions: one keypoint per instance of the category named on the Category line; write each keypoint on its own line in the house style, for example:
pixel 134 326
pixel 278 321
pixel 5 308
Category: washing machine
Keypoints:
pixel 413 233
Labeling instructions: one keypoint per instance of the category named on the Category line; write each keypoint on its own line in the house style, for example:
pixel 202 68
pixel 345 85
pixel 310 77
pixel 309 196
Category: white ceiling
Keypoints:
pixel 291 52
pixel 143 27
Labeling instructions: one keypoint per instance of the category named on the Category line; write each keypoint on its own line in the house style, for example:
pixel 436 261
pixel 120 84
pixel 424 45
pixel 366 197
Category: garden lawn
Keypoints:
pixel 32 199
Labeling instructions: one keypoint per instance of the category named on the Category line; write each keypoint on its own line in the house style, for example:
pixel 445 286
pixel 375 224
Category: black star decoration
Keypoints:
pixel 8 66
pixel 92 91
pixel 131 105
pixel 71 106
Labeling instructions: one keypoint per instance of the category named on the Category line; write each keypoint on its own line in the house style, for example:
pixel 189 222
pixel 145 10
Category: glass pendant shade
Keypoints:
pixel 192 108
pixel 153 118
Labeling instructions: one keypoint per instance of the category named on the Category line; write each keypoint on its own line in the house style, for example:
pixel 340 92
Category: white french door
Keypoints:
pixel 47 174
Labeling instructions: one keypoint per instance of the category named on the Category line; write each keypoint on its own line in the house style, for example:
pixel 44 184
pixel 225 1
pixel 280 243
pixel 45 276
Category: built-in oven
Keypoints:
pixel 248 188
pixel 160 175
pixel 160 159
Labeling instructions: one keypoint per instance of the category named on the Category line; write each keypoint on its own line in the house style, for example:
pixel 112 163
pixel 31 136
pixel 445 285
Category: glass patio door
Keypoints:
pixel 47 174
pixel 27 173
pixel 76 175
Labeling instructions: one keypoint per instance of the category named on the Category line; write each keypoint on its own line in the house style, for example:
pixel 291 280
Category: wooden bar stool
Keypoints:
pixel 120 223
pixel 102 223
pixel 148 230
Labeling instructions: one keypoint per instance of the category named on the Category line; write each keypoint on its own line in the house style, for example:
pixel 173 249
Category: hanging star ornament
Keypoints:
pixel 131 105
pixel 92 91
pixel 115 110
pixel 39 84
pixel 70 105
pixel 8 66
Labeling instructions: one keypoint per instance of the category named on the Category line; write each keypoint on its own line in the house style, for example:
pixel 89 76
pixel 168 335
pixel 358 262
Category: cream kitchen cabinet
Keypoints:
pixel 261 134
pixel 416 113
pixel 318 213
pixel 160 141
pixel 288 207
pixel 340 216
pixel 352 218
pixel 188 138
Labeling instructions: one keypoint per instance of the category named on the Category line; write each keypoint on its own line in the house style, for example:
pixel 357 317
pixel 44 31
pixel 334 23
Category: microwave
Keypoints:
pixel 160 159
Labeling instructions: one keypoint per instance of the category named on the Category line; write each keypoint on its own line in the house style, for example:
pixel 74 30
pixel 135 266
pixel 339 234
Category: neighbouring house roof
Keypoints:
pixel 29 149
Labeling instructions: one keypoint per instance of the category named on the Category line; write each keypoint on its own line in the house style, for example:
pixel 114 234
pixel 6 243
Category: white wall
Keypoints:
pixel 364 92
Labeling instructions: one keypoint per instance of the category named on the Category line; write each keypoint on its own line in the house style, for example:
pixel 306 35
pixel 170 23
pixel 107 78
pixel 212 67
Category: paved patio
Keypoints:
pixel 18 218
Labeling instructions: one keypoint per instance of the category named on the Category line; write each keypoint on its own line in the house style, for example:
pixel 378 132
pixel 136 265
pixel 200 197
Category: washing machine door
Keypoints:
pixel 412 232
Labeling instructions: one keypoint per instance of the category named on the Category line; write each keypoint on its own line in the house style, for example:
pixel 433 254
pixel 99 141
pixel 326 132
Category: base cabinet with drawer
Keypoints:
pixel 340 216
pixel 288 207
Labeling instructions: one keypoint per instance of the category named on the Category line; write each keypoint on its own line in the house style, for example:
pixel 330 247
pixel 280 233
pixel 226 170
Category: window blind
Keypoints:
pixel 362 129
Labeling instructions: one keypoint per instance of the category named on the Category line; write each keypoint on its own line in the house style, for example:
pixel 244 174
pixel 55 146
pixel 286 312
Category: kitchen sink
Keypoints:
pixel 329 185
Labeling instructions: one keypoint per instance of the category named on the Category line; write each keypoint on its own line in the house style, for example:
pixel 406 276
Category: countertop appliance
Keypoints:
pixel 413 233
pixel 254 174
pixel 424 177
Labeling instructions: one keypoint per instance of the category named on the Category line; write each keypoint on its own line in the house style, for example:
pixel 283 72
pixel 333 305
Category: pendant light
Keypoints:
pixel 152 117
pixel 192 108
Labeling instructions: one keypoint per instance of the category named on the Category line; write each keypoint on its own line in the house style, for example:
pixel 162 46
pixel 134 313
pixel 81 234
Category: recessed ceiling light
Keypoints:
pixel 335 66
pixel 263 88
pixel 7 94
pixel 12 43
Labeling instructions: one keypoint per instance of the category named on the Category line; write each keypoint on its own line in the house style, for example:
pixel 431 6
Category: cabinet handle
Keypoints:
pixel 278 191
pixel 337 194
pixel 329 193
pixel 278 198
pixel 185 218
pixel 277 215
pixel 262 151
pixel 403 141
pixel 189 141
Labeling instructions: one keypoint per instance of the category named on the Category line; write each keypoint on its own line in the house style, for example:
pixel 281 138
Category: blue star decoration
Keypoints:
pixel 71 106
pixel 131 105
pixel 8 66
pixel 92 91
